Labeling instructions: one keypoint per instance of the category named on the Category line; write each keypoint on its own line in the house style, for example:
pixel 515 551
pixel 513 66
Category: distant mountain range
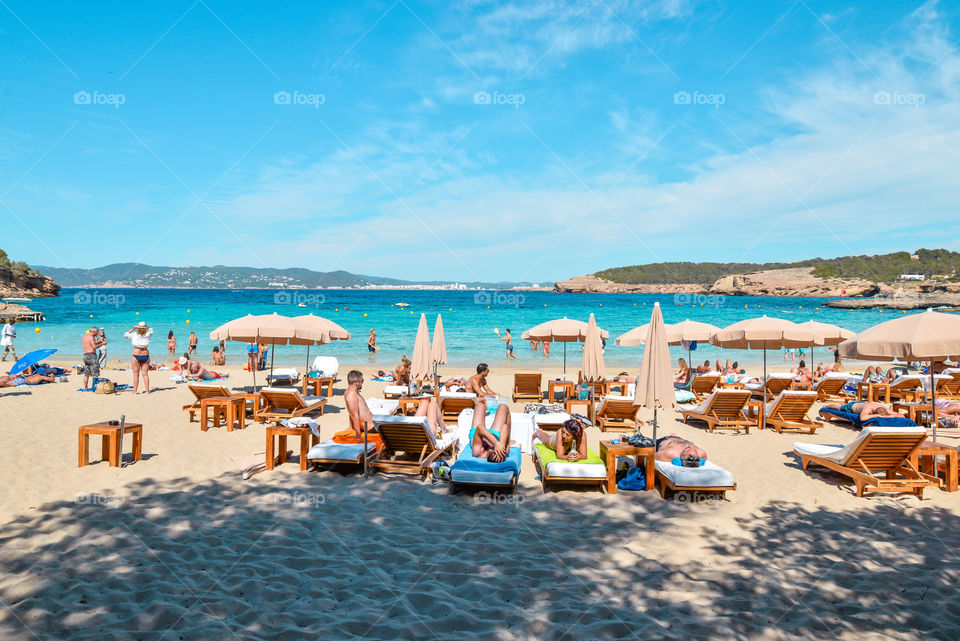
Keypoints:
pixel 223 277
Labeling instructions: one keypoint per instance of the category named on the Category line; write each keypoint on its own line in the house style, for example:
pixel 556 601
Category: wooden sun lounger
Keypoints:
pixel 413 437
pixel 287 403
pixel 830 388
pixel 723 410
pixel 888 452
pixel 908 389
pixel 704 384
pixel 527 386
pixel 451 406
pixel 201 392
pixel 774 385
pixel 789 412
pixel 617 413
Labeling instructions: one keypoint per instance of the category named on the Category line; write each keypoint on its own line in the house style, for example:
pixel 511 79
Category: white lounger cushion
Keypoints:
pixel 910 381
pixel 284 372
pixel 446 394
pixel 775 403
pixel 708 475
pixel 840 453
pixel 330 451
pixel 326 365
pixel 383 405
pixel 290 392
pixel 554 418
pixel 395 390
pixel 561 469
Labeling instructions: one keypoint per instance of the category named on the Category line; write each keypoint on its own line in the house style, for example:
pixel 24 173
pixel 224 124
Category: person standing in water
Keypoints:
pixel 372 341
pixel 193 345
pixel 509 338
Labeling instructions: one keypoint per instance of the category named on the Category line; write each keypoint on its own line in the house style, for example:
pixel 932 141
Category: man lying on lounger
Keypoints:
pixel 361 418
pixel 864 409
pixel 494 443
pixel 671 447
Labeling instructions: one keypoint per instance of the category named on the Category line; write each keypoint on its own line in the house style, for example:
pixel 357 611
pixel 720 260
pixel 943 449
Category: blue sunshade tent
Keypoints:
pixel 32 358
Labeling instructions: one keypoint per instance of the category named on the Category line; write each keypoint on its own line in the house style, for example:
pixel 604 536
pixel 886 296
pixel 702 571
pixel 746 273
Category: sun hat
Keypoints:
pixel 142 324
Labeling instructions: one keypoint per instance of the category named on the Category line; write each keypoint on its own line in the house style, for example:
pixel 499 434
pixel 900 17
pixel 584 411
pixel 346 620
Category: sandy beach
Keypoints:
pixel 178 546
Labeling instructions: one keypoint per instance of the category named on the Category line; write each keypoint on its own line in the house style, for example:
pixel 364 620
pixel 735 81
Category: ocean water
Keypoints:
pixel 469 319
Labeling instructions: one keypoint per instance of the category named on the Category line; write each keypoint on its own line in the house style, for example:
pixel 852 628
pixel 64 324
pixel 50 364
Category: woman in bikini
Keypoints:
pixel 171 343
pixel 569 442
pixel 140 338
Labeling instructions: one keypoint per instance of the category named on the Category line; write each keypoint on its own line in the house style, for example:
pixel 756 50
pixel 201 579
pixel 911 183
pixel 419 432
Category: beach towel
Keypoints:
pixel 467 462
pixel 549 455
pixel 878 421
pixel 636 479
pixel 349 437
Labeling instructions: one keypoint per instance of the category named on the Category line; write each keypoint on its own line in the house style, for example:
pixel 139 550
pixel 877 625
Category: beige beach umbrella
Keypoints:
pixel 438 350
pixel 687 330
pixel 654 387
pixel 832 335
pixel 592 369
pixel 560 330
pixel 928 336
pixel 271 329
pixel 765 333
pixel 333 331
pixel 420 363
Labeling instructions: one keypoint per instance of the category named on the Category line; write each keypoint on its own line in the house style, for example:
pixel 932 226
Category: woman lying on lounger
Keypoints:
pixel 491 443
pixel 864 409
pixel 569 442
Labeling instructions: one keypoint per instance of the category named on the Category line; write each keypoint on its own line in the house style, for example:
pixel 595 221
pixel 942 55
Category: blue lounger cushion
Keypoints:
pixel 471 470
pixel 879 421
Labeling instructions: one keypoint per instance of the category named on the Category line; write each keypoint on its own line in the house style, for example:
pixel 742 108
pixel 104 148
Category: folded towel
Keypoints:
pixel 549 455
pixel 469 463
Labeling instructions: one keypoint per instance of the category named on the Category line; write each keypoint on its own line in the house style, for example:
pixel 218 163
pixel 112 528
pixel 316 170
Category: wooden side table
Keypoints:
pixel 925 459
pixel 873 391
pixel 109 442
pixel 253 399
pixel 915 411
pixel 732 385
pixel 756 407
pixel 802 385
pixel 230 408
pixel 409 404
pixel 281 433
pixel 586 402
pixel 552 386
pixel 619 385
pixel 318 384
pixel 609 453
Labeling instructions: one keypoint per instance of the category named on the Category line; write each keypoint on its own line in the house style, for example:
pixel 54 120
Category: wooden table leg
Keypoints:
pixel 649 462
pixel 114 448
pixel 105 448
pixel 242 420
pixel 282 444
pixel 330 388
pixel 84 449
pixel 137 445
pixel 204 408
pixel 304 447
pixel 270 455
pixel 228 413
pixel 611 473
pixel 952 481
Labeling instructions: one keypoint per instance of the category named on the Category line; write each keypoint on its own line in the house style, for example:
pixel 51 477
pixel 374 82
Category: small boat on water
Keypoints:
pixel 16 299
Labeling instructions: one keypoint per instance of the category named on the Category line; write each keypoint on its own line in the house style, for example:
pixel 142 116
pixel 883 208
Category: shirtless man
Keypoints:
pixel 192 345
pixel 361 418
pixel 673 446
pixel 491 443
pixel 91 364
pixel 478 382
pixel 864 409
pixel 372 342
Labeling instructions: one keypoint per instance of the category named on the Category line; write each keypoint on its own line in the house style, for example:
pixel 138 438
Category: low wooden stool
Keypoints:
pixel 307 439
pixel 230 408
pixel 109 442
pixel 925 459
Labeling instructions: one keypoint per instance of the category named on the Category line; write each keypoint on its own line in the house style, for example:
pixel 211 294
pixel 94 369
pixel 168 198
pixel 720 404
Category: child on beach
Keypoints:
pixel 568 442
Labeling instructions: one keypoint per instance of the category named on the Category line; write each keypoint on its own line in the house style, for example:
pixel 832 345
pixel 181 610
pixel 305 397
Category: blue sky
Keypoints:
pixel 476 140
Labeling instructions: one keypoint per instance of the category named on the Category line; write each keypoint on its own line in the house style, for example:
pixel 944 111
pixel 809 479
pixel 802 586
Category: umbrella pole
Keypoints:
pixel 654 427
pixel 564 359
pixel 273 352
pixel 306 366
pixel 763 391
pixel 933 402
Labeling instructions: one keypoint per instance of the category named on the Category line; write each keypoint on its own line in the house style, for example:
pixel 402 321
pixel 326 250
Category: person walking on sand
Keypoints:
pixel 507 336
pixel 7 334
pixel 171 344
pixel 139 337
pixel 91 364
pixel 192 345
pixel 372 341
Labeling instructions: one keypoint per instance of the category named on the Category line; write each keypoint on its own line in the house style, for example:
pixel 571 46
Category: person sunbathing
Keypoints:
pixel 478 382
pixel 196 369
pixel 26 379
pixel 491 443
pixel 569 442
pixel 673 446
pixel 361 418
pixel 623 377
pixel 864 409
pixel 459 383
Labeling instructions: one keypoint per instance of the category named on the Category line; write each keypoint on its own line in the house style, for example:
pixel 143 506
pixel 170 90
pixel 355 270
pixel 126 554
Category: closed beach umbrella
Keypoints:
pixel 331 330
pixel 592 369
pixel 560 330
pixel 438 350
pixel 420 363
pixel 765 333
pixel 832 335
pixel 929 336
pixel 654 386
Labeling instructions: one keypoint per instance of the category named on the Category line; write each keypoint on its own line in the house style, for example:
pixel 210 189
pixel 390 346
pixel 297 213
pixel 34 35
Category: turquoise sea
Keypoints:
pixel 469 318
